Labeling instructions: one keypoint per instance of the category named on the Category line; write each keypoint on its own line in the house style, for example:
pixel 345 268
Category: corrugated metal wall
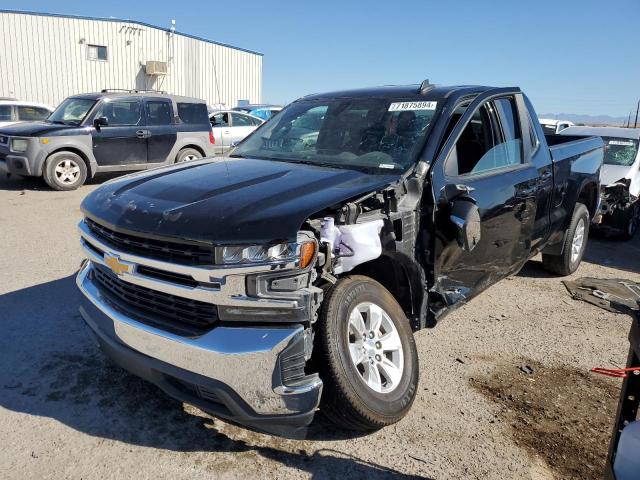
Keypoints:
pixel 44 58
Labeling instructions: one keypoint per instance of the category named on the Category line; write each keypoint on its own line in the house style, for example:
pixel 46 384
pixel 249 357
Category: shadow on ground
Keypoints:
pixel 17 183
pixel 609 252
pixel 52 368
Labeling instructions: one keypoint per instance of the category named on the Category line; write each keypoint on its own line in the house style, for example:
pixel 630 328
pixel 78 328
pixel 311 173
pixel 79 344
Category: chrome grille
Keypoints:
pixel 183 253
pixel 144 304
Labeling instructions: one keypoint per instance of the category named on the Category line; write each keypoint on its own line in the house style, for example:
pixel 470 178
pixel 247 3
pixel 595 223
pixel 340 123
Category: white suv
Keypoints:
pixel 12 111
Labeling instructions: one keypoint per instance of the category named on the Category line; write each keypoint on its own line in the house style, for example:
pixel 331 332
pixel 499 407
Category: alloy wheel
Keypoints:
pixel 375 347
pixel 578 241
pixel 67 172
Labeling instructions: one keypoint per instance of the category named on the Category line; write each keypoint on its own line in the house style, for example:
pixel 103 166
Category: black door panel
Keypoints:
pixel 507 205
pixel 484 155
pixel 119 142
pixel 161 128
pixel 119 146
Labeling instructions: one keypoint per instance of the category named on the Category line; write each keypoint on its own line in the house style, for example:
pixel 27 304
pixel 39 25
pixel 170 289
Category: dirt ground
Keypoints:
pixel 66 412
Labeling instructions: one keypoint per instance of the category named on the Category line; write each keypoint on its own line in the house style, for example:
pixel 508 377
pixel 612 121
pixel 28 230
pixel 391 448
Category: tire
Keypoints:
pixel 632 221
pixel 572 253
pixel 65 171
pixel 347 399
pixel 188 154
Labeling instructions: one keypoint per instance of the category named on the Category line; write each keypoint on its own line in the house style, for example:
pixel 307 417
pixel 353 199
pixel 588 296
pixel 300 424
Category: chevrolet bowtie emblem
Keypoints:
pixel 116 265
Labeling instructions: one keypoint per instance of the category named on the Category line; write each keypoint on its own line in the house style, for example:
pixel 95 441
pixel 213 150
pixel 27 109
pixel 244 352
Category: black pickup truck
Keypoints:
pixel 291 275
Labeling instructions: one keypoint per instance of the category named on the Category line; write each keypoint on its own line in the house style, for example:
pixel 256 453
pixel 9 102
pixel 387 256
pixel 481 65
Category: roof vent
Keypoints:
pixel 425 86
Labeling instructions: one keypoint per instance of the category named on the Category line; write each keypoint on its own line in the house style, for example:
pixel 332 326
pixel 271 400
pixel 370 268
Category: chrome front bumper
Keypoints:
pixel 242 362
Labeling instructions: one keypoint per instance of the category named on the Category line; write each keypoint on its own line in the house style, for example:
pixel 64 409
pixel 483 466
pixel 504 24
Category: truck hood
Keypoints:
pixel 34 129
pixel 226 201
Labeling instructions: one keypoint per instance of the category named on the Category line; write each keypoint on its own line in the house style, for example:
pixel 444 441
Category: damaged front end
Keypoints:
pixel 376 235
pixel 618 211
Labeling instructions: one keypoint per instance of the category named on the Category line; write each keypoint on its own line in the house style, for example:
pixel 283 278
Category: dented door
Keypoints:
pixel 485 162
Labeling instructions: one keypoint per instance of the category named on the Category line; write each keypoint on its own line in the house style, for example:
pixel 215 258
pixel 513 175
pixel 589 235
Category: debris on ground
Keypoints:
pixel 616 295
pixel 546 420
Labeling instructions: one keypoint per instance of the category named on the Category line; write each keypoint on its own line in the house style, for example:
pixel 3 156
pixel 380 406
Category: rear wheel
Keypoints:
pixel 65 171
pixel 575 243
pixel 188 154
pixel 368 358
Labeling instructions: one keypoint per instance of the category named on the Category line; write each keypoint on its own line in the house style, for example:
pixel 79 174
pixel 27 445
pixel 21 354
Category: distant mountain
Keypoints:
pixel 588 119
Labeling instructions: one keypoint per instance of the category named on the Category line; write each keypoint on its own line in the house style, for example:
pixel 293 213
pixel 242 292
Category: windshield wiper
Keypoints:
pixel 236 155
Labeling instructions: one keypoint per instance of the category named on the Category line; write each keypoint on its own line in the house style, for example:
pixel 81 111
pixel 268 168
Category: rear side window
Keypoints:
pixel 158 113
pixel 5 113
pixel 30 114
pixel 193 113
pixel 120 112
pixel 239 120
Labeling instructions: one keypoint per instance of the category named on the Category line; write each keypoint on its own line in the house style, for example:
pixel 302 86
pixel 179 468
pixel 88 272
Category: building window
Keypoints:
pixel 96 52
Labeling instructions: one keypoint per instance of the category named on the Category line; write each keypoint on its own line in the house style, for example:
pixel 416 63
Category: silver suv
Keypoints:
pixel 107 132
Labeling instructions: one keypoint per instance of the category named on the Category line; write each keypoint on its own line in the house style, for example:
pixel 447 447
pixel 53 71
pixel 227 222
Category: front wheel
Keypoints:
pixel 575 243
pixel 368 358
pixel 65 171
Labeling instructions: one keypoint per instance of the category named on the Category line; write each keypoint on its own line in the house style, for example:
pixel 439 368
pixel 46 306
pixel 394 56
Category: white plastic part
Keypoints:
pixel 354 244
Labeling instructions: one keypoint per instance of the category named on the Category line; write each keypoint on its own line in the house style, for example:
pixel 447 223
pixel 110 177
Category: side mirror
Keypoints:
pixel 465 215
pixel 451 191
pixel 100 122
pixel 235 143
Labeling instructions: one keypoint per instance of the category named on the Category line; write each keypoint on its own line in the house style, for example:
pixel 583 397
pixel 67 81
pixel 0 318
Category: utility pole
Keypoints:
pixel 635 124
pixel 628 121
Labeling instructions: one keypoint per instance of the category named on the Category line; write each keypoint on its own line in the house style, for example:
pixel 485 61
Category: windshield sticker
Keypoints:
pixel 387 165
pixel 403 106
pixel 627 143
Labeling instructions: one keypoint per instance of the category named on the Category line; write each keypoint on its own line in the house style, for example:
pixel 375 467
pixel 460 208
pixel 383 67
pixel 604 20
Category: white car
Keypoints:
pixel 13 111
pixel 231 127
pixel 619 176
pixel 553 127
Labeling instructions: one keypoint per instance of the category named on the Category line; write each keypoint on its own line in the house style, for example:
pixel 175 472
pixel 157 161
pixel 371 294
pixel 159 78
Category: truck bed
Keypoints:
pixel 569 146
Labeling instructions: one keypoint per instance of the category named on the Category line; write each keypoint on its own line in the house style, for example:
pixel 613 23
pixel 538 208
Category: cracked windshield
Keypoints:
pixel 377 135
pixel 620 151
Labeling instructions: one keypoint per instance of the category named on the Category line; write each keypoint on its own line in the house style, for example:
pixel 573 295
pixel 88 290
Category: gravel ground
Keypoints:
pixel 66 412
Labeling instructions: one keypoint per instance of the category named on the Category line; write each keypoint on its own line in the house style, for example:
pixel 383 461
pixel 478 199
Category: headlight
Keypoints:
pixel 19 144
pixel 303 252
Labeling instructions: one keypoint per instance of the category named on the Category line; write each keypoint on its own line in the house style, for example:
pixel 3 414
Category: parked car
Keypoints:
pixel 262 111
pixel 231 127
pixel 553 127
pixel 107 132
pixel 620 178
pixel 12 111
pixel 297 269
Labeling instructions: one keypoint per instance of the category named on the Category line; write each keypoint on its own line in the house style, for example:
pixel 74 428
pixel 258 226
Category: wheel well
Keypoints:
pixel 195 147
pixel 393 276
pixel 589 197
pixel 77 152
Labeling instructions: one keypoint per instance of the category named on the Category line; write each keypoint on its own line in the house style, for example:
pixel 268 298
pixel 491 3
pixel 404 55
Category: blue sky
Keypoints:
pixel 569 56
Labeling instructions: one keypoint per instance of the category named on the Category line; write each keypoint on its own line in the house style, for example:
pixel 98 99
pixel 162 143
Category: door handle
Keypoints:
pixel 227 131
pixel 143 134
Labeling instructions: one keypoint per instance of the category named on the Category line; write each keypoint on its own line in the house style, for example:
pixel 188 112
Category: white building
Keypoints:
pixel 47 57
